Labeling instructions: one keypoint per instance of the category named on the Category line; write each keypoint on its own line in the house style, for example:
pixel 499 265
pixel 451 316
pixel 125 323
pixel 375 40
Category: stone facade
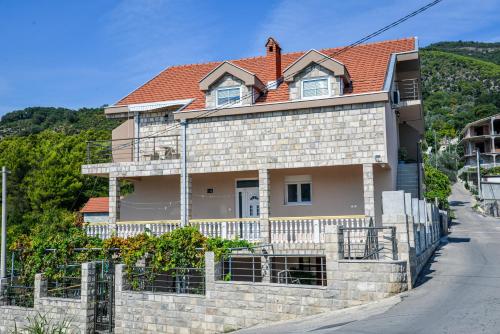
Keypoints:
pixel 78 313
pixel 329 136
pixel 343 135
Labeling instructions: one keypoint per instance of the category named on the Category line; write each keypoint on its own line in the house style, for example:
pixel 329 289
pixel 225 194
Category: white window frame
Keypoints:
pixel 329 85
pixel 225 105
pixel 298 180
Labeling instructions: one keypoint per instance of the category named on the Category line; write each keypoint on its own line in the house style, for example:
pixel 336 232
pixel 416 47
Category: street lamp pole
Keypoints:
pixel 3 256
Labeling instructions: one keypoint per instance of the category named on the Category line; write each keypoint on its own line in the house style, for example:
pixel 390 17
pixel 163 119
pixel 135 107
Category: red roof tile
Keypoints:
pixel 96 205
pixel 367 65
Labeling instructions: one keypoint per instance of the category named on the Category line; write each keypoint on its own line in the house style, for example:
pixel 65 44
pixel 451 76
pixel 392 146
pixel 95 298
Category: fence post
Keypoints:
pixel 88 295
pixel 209 274
pixel 395 215
pixel 40 289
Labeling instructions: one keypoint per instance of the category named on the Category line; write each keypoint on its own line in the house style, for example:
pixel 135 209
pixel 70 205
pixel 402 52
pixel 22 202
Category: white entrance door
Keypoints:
pixel 247 202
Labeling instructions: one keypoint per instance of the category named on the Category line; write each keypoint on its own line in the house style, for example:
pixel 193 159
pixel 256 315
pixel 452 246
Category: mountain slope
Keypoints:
pixel 37 119
pixel 484 51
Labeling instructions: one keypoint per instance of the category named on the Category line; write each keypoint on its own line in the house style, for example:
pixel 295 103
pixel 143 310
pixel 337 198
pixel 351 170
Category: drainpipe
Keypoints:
pixel 184 176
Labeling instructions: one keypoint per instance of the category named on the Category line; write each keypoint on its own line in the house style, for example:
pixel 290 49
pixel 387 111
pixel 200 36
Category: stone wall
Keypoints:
pixel 360 282
pixel 342 135
pixel 77 312
pixel 232 305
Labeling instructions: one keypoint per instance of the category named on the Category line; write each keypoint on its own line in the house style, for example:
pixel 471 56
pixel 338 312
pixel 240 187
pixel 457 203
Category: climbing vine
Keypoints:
pixel 181 248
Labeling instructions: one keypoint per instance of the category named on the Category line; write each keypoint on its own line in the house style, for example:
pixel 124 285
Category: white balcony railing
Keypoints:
pixel 282 229
pixel 310 229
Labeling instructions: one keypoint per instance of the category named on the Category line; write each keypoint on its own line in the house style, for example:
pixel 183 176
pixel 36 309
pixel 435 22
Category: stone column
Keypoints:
pixel 209 274
pixel 114 201
pixel 333 254
pixel 186 203
pixel 368 190
pixel 40 289
pixel 88 296
pixel 264 204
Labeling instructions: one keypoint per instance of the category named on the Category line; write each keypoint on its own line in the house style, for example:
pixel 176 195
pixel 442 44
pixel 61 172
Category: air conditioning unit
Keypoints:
pixel 395 97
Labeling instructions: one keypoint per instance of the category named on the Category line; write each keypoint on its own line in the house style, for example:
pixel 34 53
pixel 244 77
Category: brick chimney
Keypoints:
pixel 273 51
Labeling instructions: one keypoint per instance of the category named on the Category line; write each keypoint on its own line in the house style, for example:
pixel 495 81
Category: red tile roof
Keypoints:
pixel 367 65
pixel 96 205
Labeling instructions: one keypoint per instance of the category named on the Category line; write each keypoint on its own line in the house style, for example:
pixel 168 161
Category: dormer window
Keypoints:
pixel 228 96
pixel 315 88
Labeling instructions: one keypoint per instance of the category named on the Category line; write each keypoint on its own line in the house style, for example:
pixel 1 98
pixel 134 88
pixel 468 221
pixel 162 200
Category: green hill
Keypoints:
pixel 457 90
pixel 485 51
pixel 34 120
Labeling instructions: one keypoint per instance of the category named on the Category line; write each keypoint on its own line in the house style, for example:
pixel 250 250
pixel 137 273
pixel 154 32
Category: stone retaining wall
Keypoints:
pixel 77 312
pixel 232 305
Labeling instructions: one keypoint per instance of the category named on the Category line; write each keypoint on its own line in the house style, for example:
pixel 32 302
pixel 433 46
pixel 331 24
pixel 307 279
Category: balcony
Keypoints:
pixel 409 89
pixel 133 149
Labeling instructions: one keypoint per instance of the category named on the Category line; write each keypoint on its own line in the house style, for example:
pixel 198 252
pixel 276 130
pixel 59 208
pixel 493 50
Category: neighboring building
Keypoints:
pixel 282 137
pixel 96 210
pixel 483 136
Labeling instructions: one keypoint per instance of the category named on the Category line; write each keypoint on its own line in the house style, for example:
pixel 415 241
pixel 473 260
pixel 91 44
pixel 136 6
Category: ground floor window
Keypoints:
pixel 298 189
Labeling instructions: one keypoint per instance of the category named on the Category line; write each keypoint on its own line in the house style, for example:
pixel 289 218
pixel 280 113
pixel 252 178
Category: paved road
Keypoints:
pixel 459 292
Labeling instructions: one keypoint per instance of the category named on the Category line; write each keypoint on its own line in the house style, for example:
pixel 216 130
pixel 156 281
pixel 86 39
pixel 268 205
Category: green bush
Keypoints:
pixel 437 185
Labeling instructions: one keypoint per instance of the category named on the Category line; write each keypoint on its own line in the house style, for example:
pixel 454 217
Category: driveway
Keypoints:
pixel 458 292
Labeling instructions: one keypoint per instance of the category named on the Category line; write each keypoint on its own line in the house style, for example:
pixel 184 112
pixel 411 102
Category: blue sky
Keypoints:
pixel 92 52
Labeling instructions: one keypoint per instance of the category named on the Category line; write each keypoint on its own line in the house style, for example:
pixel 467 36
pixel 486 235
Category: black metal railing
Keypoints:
pixel 409 89
pixel 69 285
pixel 240 268
pixel 280 269
pixel 133 149
pixel 16 294
pixel 295 269
pixel 369 243
pixel 176 280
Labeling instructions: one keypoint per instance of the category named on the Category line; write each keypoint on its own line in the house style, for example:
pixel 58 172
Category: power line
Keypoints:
pixel 325 58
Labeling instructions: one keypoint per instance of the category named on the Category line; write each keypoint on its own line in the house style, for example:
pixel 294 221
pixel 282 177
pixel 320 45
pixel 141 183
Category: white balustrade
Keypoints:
pixel 310 229
pixel 244 229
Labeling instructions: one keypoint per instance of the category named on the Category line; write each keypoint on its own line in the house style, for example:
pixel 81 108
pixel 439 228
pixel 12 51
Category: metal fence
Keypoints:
pixel 176 280
pixel 280 269
pixel 67 286
pixel 294 269
pixel 133 149
pixel 243 268
pixel 369 243
pixel 16 294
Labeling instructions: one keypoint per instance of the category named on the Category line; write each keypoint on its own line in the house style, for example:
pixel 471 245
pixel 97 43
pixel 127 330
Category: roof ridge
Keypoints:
pixel 288 53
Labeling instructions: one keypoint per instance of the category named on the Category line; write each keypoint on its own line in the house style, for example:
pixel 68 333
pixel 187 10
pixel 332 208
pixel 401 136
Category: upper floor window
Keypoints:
pixel 228 96
pixel 317 87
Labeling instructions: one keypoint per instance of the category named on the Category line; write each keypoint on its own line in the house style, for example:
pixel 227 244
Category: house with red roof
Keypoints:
pixel 269 148
pixel 96 210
